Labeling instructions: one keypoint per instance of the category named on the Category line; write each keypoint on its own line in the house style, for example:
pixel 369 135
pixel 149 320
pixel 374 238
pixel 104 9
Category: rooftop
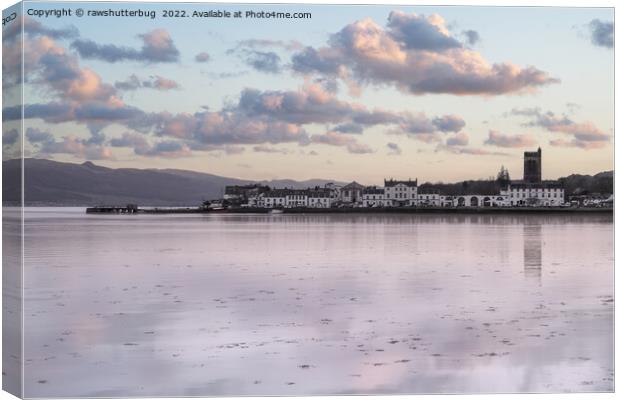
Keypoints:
pixel 392 182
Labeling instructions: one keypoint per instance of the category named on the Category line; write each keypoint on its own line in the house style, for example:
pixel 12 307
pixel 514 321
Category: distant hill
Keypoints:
pixel 602 183
pixel 57 183
pixel 65 184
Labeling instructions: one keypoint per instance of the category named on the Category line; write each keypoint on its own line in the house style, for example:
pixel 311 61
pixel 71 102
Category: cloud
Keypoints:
pixel 314 104
pixel 227 75
pixel 457 144
pixel 259 117
pixel 262 61
pixel 202 57
pixel 469 151
pixel 167 148
pixel 349 127
pixel 268 62
pixel 420 33
pixel 10 137
pixel 337 139
pixel 157 47
pixel 32 27
pixel 76 147
pixel 417 55
pixel 310 104
pixel 511 141
pixel 257 43
pixel 88 113
pixel 130 140
pixel 472 37
pixel 576 143
pixel 233 149
pixel 584 135
pixel 394 149
pixel 359 148
pixel 141 147
pixel 35 135
pixel 49 65
pixel 602 33
pixel 460 139
pixel 154 82
pixel 268 149
pixel 206 130
pixel 449 123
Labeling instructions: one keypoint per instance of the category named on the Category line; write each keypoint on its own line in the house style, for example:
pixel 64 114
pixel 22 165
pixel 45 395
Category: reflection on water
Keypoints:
pixel 532 250
pixel 171 305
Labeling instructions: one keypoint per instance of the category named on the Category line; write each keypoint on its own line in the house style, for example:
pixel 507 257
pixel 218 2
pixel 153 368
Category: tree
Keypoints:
pixel 503 177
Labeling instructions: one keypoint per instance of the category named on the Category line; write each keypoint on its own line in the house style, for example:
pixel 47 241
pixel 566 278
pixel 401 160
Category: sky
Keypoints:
pixel 353 93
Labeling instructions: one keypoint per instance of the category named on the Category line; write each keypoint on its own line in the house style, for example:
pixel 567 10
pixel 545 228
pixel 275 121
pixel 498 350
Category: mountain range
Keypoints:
pixel 53 183
pixel 56 183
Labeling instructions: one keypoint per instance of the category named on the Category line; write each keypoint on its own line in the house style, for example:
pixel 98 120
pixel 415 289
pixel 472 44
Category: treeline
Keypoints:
pixel 602 183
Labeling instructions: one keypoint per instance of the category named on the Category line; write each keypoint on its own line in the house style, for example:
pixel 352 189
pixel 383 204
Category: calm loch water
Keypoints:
pixel 315 304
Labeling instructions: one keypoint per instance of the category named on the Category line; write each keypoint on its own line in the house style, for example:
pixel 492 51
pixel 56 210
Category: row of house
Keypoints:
pixel 405 194
pixel 531 191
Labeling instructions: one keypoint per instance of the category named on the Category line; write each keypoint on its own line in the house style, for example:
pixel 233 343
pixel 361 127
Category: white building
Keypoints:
pixel 334 190
pixel 479 200
pixel 373 196
pixel 401 193
pixel 243 193
pixel 273 199
pixel 296 198
pixel 291 198
pixel 534 194
pixel 351 193
pixel 430 199
pixel 321 198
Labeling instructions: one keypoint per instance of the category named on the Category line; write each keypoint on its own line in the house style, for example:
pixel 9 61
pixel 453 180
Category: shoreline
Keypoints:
pixel 360 210
pixel 440 210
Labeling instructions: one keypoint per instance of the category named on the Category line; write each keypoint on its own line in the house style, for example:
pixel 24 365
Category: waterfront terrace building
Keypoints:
pixel 275 198
pixel 334 190
pixel 430 198
pixel 401 193
pixel 547 193
pixel 480 200
pixel 242 193
pixel 296 198
pixel 373 196
pixel 319 198
pixel 351 193
pixel 292 198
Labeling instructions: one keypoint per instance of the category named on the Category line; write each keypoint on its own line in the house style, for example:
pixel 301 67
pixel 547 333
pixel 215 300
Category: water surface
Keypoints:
pixel 172 305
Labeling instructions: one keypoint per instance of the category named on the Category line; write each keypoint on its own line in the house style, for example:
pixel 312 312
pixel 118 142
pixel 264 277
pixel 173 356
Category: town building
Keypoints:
pixel 319 198
pixel 351 193
pixel 430 198
pixel 293 198
pixel 532 190
pixel 532 166
pixel 401 193
pixel 242 193
pixel 373 196
pixel 275 198
pixel 477 200
pixel 547 193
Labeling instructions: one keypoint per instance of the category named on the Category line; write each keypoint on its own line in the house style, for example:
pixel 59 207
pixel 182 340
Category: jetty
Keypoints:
pixel 128 209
